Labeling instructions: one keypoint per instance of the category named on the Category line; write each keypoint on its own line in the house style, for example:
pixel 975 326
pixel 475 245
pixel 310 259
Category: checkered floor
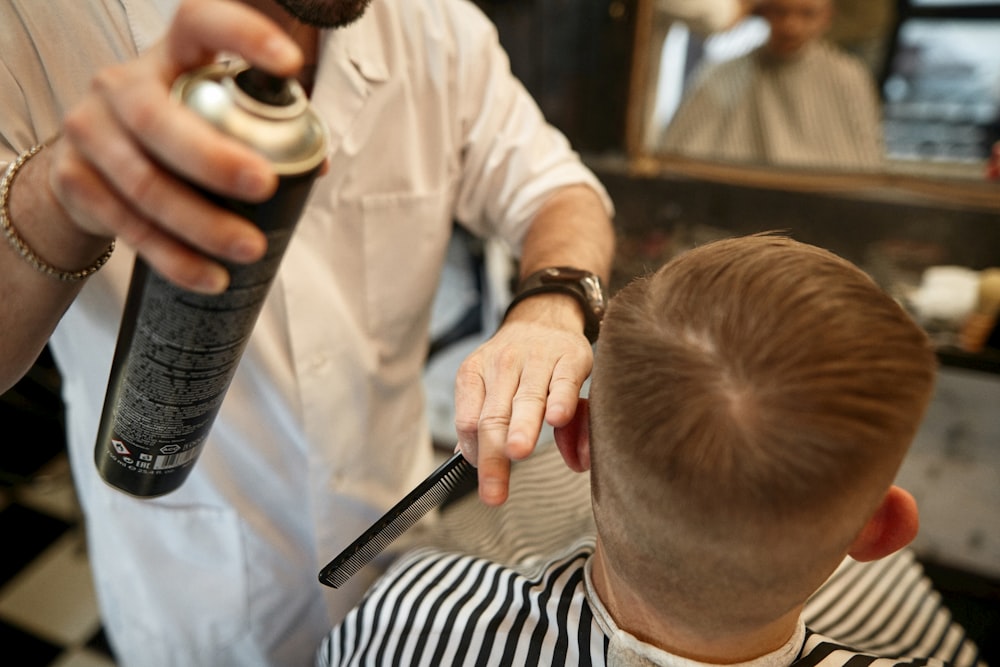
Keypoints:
pixel 48 613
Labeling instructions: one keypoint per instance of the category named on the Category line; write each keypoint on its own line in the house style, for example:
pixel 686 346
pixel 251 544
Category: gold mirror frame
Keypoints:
pixel 885 185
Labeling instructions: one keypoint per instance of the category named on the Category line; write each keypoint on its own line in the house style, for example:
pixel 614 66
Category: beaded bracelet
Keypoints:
pixel 19 244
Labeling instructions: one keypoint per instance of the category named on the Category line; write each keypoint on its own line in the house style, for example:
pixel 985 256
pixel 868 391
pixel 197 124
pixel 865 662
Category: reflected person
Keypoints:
pixel 797 100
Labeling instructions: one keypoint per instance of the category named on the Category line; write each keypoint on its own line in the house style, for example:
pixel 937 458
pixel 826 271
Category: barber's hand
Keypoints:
pixel 119 168
pixel 532 369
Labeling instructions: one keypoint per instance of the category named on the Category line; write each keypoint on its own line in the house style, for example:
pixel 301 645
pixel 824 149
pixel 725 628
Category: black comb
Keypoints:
pixel 429 494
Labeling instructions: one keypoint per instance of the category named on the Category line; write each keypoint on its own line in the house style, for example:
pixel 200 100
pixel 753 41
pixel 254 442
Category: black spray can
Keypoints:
pixel 177 351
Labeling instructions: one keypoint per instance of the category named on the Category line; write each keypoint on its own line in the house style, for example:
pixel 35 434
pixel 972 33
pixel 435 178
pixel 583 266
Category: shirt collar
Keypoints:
pixel 626 650
pixel 361 43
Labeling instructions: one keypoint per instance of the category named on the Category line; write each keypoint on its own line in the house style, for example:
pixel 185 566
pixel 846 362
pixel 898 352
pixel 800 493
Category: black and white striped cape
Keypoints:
pixel 494 595
pixel 435 608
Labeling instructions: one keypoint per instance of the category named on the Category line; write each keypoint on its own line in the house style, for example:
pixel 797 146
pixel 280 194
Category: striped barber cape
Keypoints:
pixel 491 592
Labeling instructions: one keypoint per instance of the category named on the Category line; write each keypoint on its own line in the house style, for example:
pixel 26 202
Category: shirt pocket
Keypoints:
pixel 405 241
pixel 172 557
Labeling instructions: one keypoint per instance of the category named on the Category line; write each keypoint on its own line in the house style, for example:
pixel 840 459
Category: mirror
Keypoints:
pixel 888 95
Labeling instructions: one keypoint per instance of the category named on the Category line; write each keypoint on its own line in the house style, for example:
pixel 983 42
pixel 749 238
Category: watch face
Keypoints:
pixel 589 284
pixel 595 291
pixel 585 286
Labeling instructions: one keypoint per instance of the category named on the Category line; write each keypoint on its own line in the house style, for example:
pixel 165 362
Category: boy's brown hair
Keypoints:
pixel 751 403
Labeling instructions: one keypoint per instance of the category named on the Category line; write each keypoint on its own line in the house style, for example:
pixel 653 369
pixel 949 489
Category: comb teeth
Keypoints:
pixel 426 496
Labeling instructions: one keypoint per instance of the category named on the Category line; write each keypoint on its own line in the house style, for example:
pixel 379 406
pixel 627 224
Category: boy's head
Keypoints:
pixel 794 24
pixel 750 405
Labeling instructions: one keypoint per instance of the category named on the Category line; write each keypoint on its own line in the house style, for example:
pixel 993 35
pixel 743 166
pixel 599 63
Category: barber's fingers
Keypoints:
pixel 126 165
pixel 482 416
pixel 110 186
pixel 485 446
pixel 470 391
pixel 138 93
pixel 548 392
pixel 175 136
pixel 528 406
pixel 526 374
pixel 566 384
pixel 203 28
pixel 94 206
pixel 504 392
pixel 131 153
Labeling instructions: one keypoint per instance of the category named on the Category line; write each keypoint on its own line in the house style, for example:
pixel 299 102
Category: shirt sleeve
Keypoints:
pixel 702 16
pixel 512 158
pixel 51 51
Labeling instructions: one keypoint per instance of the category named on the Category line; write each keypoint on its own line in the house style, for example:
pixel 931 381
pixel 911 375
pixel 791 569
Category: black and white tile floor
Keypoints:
pixel 48 612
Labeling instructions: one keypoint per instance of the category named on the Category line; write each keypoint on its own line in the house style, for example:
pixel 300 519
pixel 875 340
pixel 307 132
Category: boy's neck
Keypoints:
pixel 635 616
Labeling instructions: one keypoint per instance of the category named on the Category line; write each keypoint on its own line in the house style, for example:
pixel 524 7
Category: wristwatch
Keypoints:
pixel 584 286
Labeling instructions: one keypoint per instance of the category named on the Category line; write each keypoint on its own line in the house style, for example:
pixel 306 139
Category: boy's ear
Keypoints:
pixel 892 527
pixel 573 439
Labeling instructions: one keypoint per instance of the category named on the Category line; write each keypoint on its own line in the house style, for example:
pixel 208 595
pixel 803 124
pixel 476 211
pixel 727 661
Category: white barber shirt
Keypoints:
pixel 324 426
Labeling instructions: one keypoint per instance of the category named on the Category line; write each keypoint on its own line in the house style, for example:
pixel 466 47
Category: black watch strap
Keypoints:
pixel 584 286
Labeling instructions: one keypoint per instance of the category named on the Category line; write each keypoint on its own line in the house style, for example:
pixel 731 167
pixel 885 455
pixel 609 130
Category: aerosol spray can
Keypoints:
pixel 177 351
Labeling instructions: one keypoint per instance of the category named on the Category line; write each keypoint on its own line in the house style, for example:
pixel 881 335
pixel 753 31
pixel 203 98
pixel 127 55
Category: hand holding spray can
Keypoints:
pixel 177 351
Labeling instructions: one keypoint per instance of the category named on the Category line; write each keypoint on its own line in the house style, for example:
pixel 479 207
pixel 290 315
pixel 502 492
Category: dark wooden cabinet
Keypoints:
pixel 574 57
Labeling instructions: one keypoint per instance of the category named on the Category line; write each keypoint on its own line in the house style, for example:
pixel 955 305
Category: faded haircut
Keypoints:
pixel 751 403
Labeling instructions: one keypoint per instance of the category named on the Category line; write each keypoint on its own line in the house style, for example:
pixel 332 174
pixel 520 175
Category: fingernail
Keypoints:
pixel 253 183
pixel 281 49
pixel 247 250
pixel 467 451
pixel 213 281
pixel 491 491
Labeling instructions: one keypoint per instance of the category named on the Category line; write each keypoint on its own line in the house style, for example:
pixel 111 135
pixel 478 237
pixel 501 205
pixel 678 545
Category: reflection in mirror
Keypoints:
pixel 792 100
pixel 799 85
